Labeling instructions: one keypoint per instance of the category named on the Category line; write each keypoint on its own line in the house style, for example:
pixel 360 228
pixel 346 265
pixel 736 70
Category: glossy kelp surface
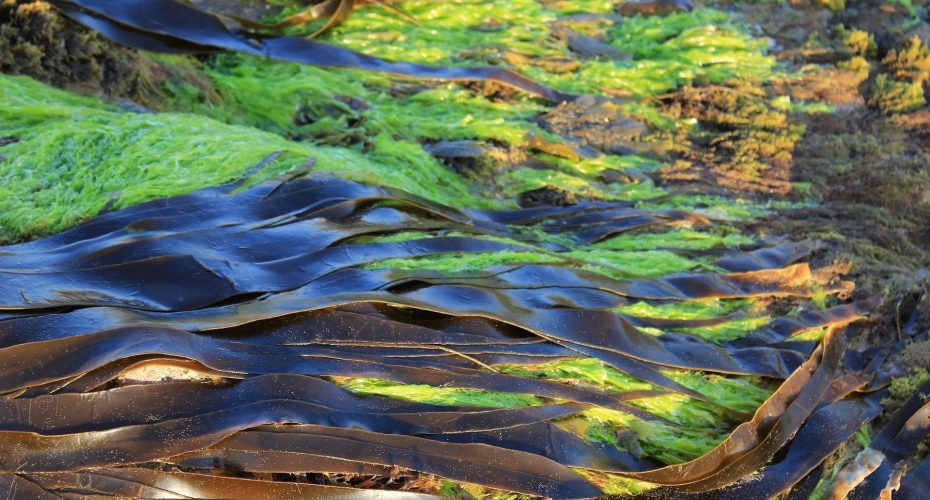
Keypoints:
pixel 291 338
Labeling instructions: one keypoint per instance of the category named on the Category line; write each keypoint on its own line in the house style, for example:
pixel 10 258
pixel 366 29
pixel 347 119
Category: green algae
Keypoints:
pixel 703 309
pixel 903 388
pixel 519 180
pixel 723 332
pixel 724 209
pixel 670 51
pixel 613 264
pixel 648 263
pixel 690 427
pixel 439 396
pixel 894 96
pixel 589 370
pixel 75 157
pixel 693 309
pixel 371 128
pixel 358 129
pixel 679 238
pixel 612 484
pixel 465 262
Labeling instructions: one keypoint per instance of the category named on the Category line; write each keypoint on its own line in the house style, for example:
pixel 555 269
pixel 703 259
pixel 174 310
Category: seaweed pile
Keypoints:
pixel 261 297
pixel 638 327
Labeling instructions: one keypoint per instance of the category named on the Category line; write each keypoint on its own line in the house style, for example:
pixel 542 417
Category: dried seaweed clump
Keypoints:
pixel 901 89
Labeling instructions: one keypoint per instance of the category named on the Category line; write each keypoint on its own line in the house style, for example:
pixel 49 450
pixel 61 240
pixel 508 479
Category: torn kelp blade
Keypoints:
pixel 897 441
pixel 914 484
pixel 147 483
pixel 169 18
pixel 753 443
pixel 821 435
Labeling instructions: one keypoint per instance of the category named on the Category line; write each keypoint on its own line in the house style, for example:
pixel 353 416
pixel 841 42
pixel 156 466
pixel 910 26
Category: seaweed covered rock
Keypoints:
pixel 742 140
pixel 599 123
pixel 472 159
pixel 546 196
pixel 38 42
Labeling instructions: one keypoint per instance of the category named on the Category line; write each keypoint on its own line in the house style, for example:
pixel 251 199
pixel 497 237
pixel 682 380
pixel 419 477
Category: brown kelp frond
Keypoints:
pixel 334 11
pixel 177 27
pixel 257 304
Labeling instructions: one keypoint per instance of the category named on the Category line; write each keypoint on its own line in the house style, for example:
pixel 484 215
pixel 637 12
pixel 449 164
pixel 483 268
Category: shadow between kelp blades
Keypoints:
pixel 176 27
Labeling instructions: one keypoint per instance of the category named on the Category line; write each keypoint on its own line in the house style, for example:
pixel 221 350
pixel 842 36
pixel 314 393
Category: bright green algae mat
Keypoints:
pixel 77 155
pixel 71 140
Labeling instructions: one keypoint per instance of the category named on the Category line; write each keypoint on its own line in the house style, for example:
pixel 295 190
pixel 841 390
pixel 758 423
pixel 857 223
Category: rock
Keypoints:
pixel 548 196
pixel 630 176
pixel 654 7
pixel 630 441
pixel 599 123
pixel 456 149
pixel 584 46
pixel 472 159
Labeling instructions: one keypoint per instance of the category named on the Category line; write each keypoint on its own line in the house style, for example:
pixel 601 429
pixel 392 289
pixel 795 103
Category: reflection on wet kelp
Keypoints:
pixel 262 299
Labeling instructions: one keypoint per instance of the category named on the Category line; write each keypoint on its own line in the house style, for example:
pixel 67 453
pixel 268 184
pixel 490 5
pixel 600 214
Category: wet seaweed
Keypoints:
pixel 179 28
pixel 287 313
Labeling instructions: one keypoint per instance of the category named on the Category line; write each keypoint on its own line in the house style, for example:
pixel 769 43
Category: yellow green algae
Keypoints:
pixel 688 427
pixel 378 141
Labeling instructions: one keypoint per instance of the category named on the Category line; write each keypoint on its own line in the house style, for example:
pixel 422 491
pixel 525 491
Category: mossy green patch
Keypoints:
pixel 690 429
pixel 454 263
pixel 670 51
pixel 75 156
pixel 679 238
pixel 439 396
pixel 894 96
pixel 646 263
pixel 692 309
pixel 903 388
pixel 582 186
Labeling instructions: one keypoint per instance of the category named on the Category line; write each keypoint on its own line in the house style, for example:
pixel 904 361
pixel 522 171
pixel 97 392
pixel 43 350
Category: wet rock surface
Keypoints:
pixel 548 196
pixel 599 123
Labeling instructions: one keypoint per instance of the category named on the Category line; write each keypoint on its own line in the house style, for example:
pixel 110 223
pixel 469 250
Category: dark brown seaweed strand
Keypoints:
pixel 146 483
pixel 146 24
pixel 897 440
pixel 823 433
pixel 785 410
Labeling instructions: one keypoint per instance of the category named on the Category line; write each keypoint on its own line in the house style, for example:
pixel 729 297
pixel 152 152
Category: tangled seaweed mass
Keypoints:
pixel 272 339
pixel 261 294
